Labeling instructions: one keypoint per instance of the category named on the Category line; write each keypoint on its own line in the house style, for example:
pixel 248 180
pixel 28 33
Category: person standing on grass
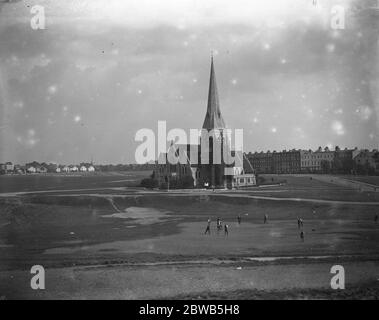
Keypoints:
pixel 302 236
pixel 219 225
pixel 298 223
pixel 226 230
pixel 265 219
pixel 239 219
pixel 208 229
pixel 376 218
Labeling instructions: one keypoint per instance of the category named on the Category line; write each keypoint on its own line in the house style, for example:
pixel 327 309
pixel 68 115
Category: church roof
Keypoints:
pixel 213 118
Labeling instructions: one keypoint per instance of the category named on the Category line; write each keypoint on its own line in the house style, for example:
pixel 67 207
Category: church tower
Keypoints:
pixel 206 164
pixel 212 174
pixel 213 118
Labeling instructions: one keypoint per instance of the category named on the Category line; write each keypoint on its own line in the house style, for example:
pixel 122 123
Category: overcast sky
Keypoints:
pixel 103 69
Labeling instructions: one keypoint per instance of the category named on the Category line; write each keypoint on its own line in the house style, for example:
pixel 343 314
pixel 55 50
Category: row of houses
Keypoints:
pixel 6 167
pixel 62 169
pixel 319 161
pixel 35 167
pixel 350 161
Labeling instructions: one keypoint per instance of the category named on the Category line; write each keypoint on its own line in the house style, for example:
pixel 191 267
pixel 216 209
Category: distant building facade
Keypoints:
pixel 367 162
pixel 286 161
pixel 262 162
pixel 317 161
pixel 276 162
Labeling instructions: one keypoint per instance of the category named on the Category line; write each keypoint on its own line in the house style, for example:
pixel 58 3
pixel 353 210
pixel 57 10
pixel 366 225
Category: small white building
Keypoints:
pixel 66 169
pixel 244 180
pixel 31 170
pixel 74 169
pixel 91 169
pixel 83 169
pixel 58 170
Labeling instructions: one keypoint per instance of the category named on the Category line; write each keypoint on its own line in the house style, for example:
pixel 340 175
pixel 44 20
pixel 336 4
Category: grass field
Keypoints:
pixel 108 238
pixel 374 180
pixel 37 182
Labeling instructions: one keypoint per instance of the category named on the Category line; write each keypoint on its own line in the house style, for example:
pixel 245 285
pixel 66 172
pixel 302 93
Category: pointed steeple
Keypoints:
pixel 213 118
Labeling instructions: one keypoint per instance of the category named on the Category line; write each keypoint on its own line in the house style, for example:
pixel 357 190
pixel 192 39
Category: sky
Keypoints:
pixel 81 88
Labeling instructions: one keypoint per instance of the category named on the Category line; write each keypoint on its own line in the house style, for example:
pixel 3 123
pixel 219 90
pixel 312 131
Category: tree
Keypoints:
pixel 51 167
pixel 325 166
pixel 187 182
pixel 337 165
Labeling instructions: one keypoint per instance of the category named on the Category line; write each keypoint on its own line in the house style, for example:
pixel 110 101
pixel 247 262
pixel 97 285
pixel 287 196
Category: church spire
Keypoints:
pixel 213 118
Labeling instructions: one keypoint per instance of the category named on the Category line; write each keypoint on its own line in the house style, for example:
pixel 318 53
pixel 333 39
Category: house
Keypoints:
pixel 58 170
pixel 367 162
pixel 66 169
pixel 244 180
pixel 83 169
pixel 91 169
pixel 9 167
pixel 31 170
pixel 74 169
pixel 317 161
pixel 41 169
pixel 19 169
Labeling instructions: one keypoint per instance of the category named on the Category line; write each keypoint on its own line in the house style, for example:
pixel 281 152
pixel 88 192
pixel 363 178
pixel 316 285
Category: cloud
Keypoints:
pixel 338 128
pixel 134 63
pixel 186 13
pixel 364 112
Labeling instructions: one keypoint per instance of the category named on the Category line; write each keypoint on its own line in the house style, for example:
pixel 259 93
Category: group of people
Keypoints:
pixel 300 224
pixel 219 227
pixel 226 227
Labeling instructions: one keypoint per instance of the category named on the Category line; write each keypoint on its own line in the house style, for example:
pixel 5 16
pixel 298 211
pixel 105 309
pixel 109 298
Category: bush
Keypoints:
pixel 149 183
pixel 187 182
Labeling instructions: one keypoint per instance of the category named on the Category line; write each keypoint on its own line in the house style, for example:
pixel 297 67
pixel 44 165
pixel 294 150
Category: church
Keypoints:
pixel 197 173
